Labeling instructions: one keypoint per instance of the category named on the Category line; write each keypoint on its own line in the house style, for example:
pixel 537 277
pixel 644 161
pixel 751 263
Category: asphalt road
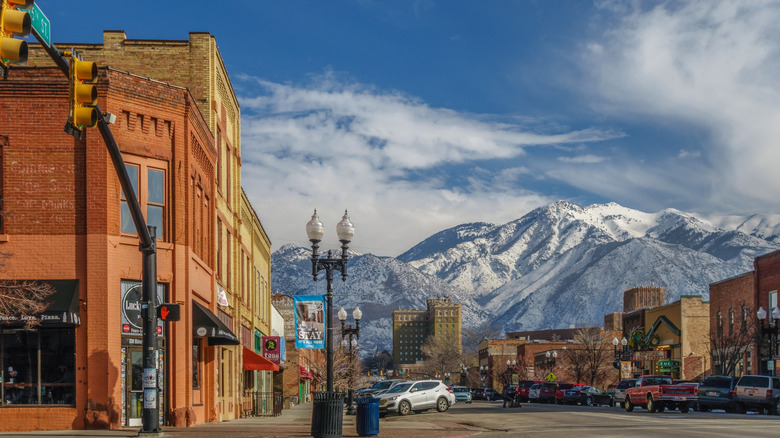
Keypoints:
pixel 485 420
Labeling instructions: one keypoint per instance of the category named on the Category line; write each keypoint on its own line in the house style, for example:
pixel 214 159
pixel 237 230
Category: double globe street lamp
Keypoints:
pixel 770 330
pixel 327 406
pixel 349 341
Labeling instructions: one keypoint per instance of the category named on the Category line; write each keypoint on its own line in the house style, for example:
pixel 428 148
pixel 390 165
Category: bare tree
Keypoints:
pixel 442 354
pixel 597 353
pixel 347 368
pixel 574 362
pixel 24 299
pixel 727 350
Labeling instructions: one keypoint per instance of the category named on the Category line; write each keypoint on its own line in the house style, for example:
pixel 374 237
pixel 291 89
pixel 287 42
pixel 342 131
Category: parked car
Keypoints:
pixel 656 393
pixel 476 393
pixel 378 387
pixel 592 396
pixel 490 394
pixel 533 393
pixel 462 394
pixel 757 392
pixel 620 390
pixel 416 396
pixel 547 392
pixel 715 392
pixel 562 388
pixel 524 387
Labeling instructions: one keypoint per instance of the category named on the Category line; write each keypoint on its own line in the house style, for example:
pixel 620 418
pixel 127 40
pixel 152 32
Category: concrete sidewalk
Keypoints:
pixel 294 422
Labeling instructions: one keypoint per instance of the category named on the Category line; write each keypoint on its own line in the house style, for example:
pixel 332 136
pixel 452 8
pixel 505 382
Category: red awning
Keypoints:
pixel 253 361
pixel 305 374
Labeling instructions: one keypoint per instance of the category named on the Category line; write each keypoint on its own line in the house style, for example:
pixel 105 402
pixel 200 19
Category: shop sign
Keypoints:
pixel 669 363
pixel 651 355
pixel 272 348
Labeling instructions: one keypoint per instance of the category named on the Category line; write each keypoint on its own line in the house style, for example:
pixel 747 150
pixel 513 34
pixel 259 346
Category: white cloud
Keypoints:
pixel 386 157
pixel 583 159
pixel 712 66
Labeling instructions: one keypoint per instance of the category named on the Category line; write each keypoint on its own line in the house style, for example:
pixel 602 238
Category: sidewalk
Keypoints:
pixel 294 422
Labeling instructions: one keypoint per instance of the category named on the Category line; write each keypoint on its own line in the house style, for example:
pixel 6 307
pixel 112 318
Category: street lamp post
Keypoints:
pixel 464 373
pixel 350 345
pixel 551 357
pixel 483 371
pixel 324 413
pixel 624 353
pixel 770 330
pixel 447 378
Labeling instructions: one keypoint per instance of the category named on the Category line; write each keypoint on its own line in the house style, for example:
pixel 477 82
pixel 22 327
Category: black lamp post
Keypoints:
pixel 621 354
pixel 353 334
pixel 510 366
pixel 770 330
pixel 464 373
pixel 551 357
pixel 483 372
pixel 326 415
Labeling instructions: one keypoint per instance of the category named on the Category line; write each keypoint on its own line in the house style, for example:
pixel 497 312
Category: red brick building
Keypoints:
pixel 64 220
pixel 767 272
pixel 732 312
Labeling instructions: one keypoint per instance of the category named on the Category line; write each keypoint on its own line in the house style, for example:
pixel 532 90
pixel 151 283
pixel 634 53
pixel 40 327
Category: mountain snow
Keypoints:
pixel 557 266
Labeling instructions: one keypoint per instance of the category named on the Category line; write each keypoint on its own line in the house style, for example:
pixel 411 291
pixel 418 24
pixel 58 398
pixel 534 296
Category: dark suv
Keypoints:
pixel 715 392
pixel 758 392
pixel 620 390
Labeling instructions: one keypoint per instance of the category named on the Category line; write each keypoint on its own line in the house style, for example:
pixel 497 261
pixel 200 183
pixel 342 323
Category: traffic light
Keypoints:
pixel 169 312
pixel 83 94
pixel 14 23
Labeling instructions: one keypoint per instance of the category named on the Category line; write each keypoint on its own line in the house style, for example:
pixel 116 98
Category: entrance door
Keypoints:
pixel 134 370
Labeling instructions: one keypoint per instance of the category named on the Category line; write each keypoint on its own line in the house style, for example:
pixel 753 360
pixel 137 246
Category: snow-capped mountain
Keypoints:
pixel 557 266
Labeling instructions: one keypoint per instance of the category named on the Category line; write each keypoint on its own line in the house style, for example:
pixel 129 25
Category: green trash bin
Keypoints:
pixel 367 419
pixel 328 414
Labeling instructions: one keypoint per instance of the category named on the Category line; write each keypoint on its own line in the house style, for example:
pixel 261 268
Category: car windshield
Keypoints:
pixel 401 387
pixel 456 389
pixel 383 384
pixel 717 382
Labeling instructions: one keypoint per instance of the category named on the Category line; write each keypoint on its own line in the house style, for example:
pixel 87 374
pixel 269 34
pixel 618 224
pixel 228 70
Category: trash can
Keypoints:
pixel 327 415
pixel 367 420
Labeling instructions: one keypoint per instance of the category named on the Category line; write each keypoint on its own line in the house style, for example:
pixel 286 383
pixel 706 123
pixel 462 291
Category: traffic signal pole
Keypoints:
pixel 148 248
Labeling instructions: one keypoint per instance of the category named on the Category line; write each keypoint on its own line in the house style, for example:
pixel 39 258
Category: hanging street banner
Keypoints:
pixel 309 321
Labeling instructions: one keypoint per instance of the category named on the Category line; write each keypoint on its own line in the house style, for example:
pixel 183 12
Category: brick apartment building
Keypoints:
pixel 64 220
pixel 412 327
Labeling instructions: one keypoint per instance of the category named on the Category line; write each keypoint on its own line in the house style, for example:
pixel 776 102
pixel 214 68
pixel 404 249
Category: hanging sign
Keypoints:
pixel 272 348
pixel 309 321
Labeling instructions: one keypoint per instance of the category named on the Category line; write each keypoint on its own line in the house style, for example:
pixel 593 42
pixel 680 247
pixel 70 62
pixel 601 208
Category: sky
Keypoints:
pixel 417 116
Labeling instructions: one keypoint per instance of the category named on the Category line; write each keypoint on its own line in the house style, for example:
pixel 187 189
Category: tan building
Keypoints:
pixel 675 339
pixel 411 327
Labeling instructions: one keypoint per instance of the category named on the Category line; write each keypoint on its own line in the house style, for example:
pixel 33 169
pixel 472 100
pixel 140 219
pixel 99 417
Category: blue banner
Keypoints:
pixel 309 321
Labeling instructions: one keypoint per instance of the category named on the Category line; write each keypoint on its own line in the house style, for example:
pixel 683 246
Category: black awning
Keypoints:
pixel 63 308
pixel 205 324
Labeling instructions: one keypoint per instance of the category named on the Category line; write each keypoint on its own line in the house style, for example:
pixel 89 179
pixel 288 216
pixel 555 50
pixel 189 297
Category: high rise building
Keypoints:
pixel 411 327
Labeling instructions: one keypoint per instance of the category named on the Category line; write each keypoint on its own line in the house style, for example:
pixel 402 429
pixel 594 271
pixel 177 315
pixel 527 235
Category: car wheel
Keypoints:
pixel 442 405
pixel 776 407
pixel 589 401
pixel 629 406
pixel 651 406
pixel 404 408
pixel 704 408
pixel 684 408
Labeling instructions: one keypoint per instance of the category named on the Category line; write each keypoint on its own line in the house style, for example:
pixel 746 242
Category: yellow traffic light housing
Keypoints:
pixel 83 93
pixel 14 23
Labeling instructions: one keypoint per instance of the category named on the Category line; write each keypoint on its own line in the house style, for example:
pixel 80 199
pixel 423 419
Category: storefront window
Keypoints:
pixel 24 380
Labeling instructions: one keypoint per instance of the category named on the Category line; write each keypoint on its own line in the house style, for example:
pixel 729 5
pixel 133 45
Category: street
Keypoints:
pixel 487 419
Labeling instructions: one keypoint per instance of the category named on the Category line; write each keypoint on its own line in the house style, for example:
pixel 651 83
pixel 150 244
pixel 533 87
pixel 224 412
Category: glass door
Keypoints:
pixel 134 369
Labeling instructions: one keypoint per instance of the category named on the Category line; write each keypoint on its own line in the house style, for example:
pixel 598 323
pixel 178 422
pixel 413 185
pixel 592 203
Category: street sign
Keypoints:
pixel 40 23
pixel 550 377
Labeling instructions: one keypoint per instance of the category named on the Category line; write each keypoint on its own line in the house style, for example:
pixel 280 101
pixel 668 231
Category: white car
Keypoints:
pixel 416 396
pixel 533 393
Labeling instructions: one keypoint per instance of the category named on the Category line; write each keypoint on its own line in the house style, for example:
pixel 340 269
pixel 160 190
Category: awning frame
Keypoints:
pixel 205 324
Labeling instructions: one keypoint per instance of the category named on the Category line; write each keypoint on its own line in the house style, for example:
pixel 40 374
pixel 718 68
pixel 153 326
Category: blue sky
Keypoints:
pixel 421 115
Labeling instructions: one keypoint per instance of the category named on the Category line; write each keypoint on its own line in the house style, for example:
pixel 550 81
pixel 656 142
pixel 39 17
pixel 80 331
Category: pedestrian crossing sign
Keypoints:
pixel 550 377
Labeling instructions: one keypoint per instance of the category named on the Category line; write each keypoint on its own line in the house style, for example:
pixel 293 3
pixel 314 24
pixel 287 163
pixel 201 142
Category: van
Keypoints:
pixel 757 392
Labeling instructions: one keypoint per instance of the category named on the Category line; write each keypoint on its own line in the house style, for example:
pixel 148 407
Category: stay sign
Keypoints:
pixel 169 312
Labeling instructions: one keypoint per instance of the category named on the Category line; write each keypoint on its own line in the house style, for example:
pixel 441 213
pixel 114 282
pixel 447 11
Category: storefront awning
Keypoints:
pixel 205 324
pixel 63 308
pixel 253 361
pixel 305 374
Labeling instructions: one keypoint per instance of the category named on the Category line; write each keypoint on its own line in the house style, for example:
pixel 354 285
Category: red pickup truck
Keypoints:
pixel 656 393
